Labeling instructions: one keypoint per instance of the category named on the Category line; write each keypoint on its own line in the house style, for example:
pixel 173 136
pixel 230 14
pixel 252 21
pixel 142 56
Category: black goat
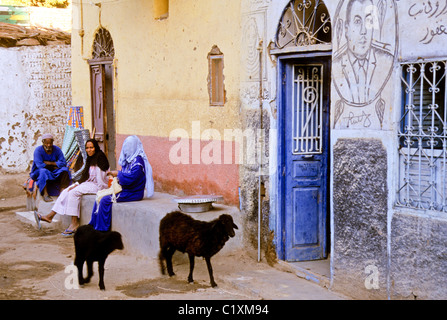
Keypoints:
pixel 93 245
pixel 179 231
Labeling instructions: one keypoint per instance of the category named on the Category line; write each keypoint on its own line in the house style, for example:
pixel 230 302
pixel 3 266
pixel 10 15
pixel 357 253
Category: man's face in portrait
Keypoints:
pixel 359 27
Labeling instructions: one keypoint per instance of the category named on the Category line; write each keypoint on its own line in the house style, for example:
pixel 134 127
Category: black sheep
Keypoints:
pixel 93 245
pixel 179 231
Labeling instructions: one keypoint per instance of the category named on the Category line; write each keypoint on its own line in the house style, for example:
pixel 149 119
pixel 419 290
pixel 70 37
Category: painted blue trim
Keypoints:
pixel 280 161
pixel 282 62
pixel 281 157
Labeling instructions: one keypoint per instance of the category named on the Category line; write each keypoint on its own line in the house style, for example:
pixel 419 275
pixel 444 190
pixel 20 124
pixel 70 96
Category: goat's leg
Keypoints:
pixel 101 263
pixel 168 256
pixel 79 263
pixel 89 271
pixel 161 261
pixel 191 267
pixel 210 271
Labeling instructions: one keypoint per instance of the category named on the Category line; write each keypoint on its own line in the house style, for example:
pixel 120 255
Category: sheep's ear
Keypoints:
pixel 235 226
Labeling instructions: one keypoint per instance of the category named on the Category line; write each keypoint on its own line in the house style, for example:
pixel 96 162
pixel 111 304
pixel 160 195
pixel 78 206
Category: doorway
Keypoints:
pixel 303 49
pixel 102 72
pixel 304 156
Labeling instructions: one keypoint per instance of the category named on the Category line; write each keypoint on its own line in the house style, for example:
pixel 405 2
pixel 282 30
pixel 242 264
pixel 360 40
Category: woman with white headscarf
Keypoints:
pixel 135 178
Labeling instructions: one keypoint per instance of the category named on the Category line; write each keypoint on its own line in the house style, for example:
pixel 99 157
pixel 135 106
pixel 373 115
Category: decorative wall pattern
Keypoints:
pixel 36 100
pixel 254 28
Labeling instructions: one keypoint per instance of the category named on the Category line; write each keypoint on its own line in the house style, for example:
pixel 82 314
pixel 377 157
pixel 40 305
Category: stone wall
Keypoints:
pixel 360 217
pixel 418 257
pixel 249 171
pixel 35 96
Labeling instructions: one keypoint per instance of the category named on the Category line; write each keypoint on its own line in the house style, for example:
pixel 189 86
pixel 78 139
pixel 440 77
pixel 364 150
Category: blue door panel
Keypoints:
pixel 305 216
pixel 308 170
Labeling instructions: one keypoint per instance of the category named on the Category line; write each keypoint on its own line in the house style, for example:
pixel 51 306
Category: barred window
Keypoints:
pixel 423 137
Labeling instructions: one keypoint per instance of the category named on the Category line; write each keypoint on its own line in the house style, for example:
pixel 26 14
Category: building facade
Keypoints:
pixel 324 121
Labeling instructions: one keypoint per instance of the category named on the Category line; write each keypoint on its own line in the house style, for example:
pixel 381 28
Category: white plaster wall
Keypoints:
pixel 423 29
pixel 35 95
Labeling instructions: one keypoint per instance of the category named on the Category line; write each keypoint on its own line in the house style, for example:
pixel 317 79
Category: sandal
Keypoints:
pixel 37 217
pixel 68 232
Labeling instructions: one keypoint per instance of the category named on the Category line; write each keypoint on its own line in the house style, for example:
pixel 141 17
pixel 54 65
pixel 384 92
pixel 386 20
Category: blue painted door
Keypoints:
pixel 305 158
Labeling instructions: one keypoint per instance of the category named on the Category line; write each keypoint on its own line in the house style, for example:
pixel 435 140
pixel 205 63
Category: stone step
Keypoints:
pixel 138 221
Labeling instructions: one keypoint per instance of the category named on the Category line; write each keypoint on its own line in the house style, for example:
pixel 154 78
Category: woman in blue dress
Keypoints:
pixel 135 179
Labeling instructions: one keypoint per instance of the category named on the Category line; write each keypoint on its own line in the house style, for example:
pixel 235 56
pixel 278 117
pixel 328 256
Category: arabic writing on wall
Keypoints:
pixel 35 95
pixel 49 79
pixel 433 14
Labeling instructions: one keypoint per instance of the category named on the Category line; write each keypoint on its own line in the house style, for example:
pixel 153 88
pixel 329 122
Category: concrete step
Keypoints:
pixel 28 217
pixel 317 271
pixel 274 284
pixel 138 221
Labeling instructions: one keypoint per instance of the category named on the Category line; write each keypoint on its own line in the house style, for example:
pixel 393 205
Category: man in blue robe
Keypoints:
pixel 50 169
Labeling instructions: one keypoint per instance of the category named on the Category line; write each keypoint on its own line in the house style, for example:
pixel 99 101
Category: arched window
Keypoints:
pixel 303 23
pixel 103 45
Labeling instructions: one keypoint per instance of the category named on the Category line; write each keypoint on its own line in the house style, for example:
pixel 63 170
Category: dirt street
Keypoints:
pixel 37 264
pixel 33 266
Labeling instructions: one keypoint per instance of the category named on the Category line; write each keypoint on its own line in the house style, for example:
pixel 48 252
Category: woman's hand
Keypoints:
pixel 112 173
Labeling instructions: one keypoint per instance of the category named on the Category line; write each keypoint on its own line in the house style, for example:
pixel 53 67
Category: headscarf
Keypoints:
pixel 47 136
pixel 97 159
pixel 132 147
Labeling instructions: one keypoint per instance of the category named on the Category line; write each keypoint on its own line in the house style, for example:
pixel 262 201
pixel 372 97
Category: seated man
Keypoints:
pixel 49 165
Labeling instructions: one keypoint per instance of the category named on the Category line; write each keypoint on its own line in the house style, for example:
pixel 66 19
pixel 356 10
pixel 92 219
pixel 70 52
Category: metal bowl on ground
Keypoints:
pixel 197 203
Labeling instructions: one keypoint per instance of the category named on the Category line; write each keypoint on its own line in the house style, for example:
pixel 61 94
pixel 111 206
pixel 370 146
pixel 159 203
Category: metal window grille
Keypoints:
pixel 304 23
pixel 307 111
pixel 103 45
pixel 423 136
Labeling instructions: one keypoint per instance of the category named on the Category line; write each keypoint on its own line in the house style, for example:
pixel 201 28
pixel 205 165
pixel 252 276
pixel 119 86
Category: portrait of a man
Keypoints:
pixel 362 66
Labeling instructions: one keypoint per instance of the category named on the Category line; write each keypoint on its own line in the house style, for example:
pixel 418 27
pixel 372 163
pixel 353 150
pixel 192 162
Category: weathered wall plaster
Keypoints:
pixel 360 205
pixel 35 97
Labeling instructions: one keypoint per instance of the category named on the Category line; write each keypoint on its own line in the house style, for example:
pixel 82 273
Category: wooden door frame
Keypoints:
pixel 96 62
pixel 282 61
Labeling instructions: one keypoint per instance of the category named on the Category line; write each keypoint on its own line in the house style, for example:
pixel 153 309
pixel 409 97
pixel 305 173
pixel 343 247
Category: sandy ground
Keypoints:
pixel 38 264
